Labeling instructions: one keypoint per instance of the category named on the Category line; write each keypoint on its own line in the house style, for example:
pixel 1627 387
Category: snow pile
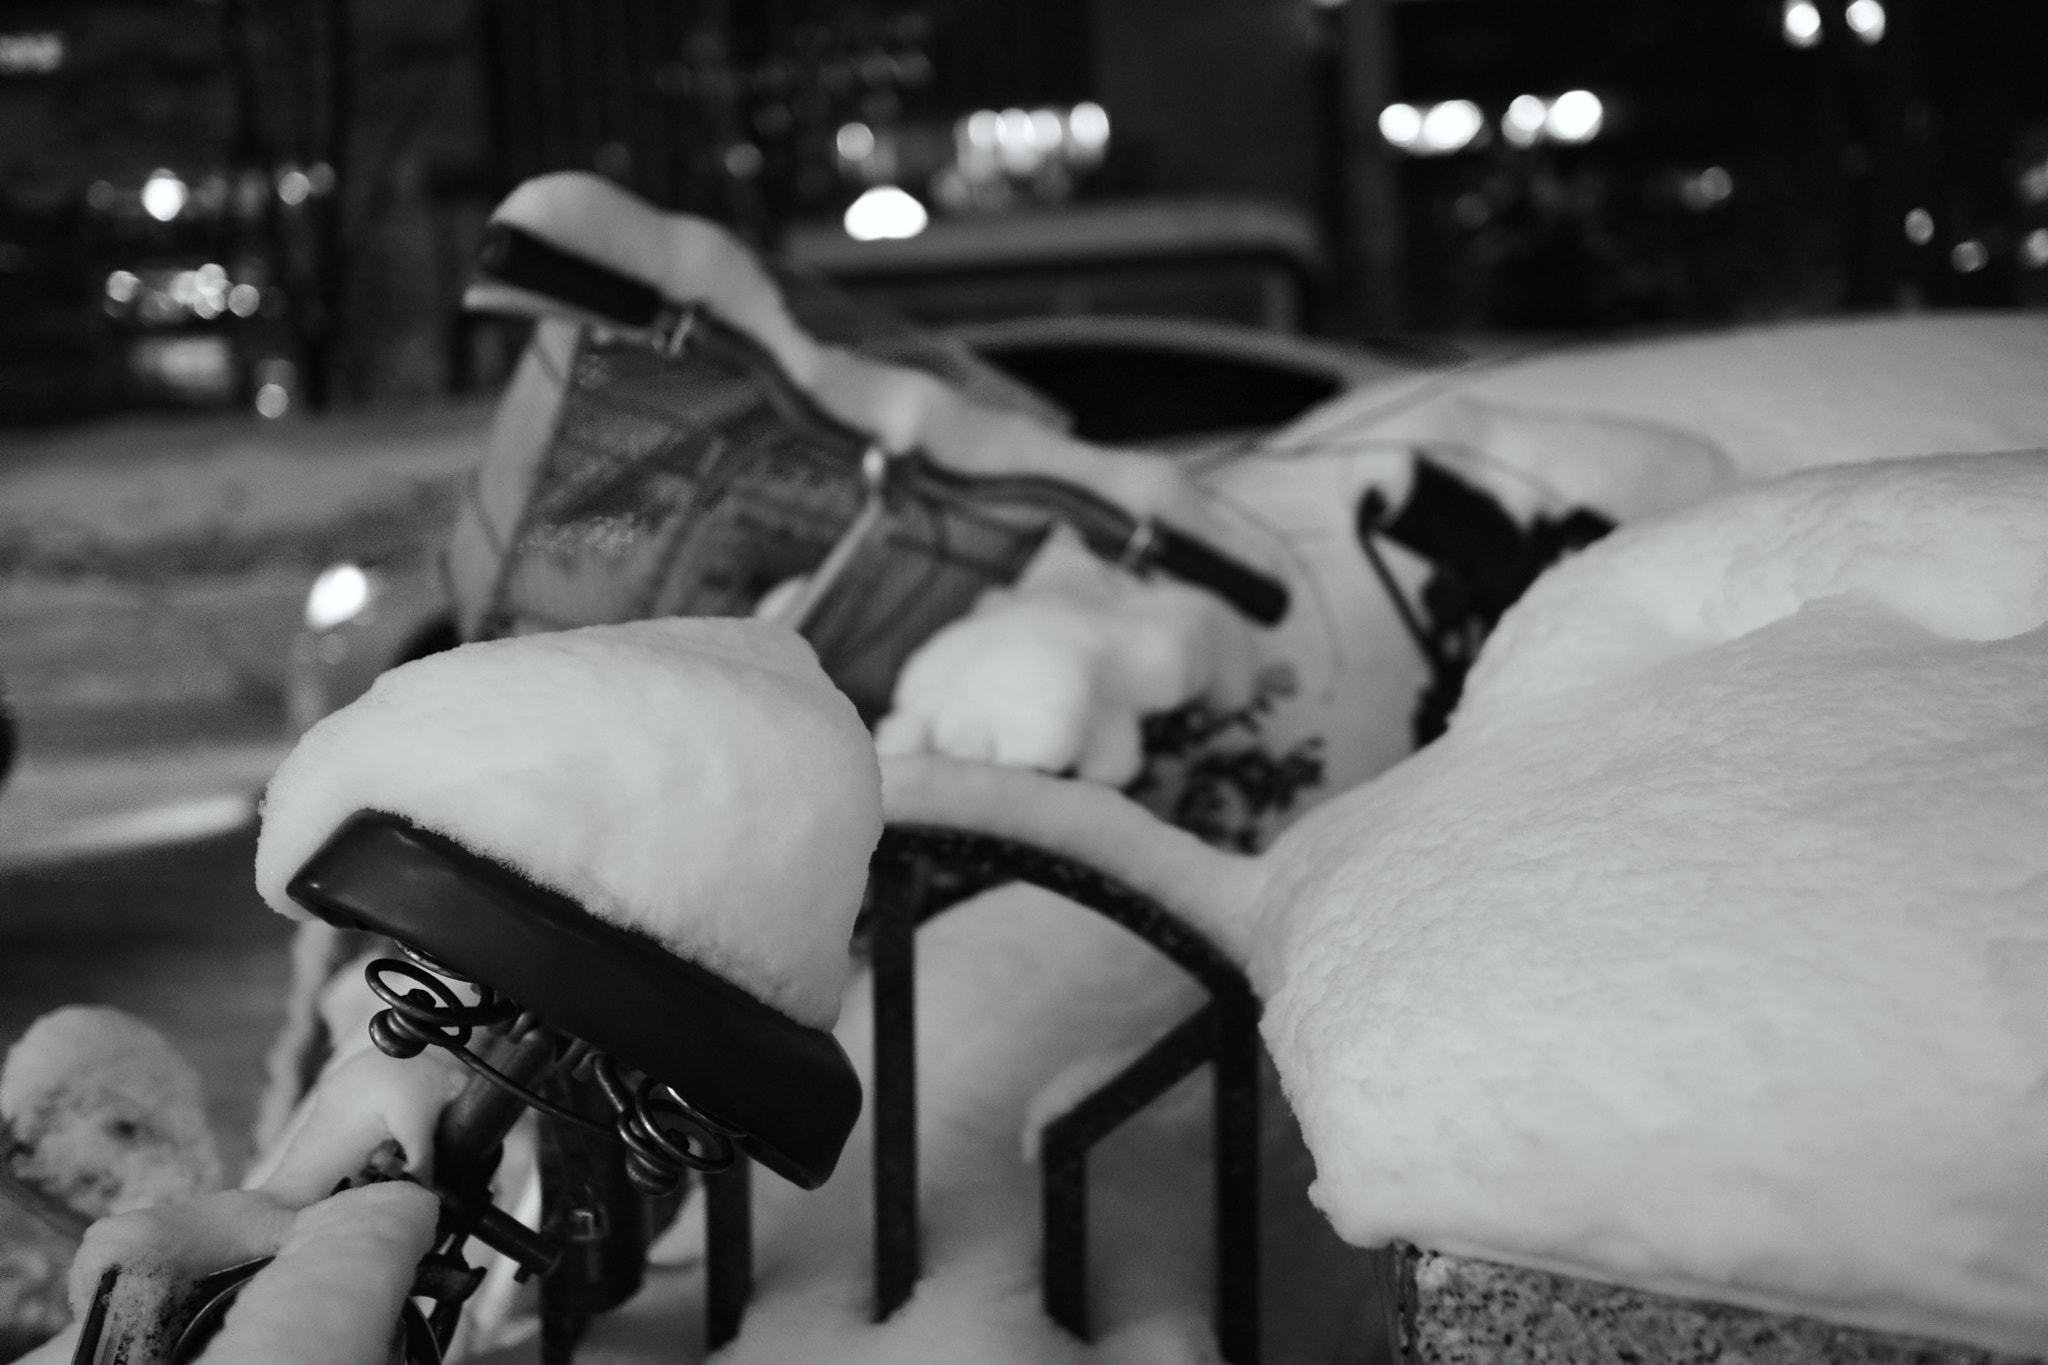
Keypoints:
pixel 698 780
pixel 1765 400
pixel 104 1114
pixel 1057 673
pixel 1957 547
pixel 1707 952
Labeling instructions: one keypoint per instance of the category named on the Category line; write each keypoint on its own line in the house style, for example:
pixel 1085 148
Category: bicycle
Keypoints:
pixel 586 1068
pixel 557 1052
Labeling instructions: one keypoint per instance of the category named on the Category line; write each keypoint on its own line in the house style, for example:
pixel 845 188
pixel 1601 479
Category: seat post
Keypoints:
pixel 728 1250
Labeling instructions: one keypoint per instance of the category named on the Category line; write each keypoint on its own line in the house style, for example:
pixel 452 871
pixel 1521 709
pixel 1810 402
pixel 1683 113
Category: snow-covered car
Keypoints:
pixel 1195 387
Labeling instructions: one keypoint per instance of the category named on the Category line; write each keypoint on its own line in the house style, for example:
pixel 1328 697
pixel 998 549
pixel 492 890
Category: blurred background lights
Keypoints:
pixel 293 187
pixel 1048 129
pixel 744 161
pixel 885 213
pixel 273 401
pixel 1522 124
pixel 1969 256
pixel 1801 23
pixel 121 285
pixel 2034 249
pixel 1002 156
pixel 2033 183
pixel 1866 20
pixel 1919 227
pixel 1013 129
pixel 163 196
pixel 855 141
pixel 244 300
pixel 1017 142
pixel 1450 126
pixel 1088 126
pixel 1707 190
pixel 1575 117
pixel 1401 125
pixel 341 591
pixel 31 54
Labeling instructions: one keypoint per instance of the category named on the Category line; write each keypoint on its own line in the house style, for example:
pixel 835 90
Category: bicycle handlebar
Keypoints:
pixel 524 261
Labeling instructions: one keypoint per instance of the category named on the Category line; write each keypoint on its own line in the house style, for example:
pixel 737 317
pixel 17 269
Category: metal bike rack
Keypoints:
pixel 920 871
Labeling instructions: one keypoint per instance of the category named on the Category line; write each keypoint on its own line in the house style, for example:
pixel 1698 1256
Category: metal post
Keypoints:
pixel 893 946
pixel 1063 1159
pixel 728 1251
pixel 1237 1178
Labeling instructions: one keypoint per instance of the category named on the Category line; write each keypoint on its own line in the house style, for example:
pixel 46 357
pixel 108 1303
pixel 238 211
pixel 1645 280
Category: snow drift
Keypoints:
pixel 1707 952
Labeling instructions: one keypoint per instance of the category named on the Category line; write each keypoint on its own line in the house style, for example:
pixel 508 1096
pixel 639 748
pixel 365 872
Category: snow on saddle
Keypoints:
pixel 653 835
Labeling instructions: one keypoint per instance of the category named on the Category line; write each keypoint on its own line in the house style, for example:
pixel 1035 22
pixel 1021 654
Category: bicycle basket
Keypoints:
pixel 636 484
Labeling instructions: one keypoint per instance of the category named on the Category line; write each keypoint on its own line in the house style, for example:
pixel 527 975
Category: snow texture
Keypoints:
pixel 697 780
pixel 336 1287
pixel 691 260
pixel 163 1252
pixel 1057 673
pixel 1759 401
pixel 1706 952
pixel 359 1103
pixel 106 1115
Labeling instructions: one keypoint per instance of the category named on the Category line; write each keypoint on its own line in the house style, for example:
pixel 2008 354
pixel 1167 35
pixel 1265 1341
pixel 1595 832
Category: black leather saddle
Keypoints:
pixel 785 1092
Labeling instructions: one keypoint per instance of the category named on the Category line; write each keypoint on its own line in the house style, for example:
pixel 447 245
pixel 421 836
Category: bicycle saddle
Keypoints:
pixel 786 1092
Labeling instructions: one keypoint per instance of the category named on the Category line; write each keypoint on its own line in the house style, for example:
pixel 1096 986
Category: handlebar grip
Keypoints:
pixel 1257 594
pixel 516 257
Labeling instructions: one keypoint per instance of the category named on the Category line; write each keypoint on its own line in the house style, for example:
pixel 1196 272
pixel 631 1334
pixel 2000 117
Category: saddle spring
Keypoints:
pixel 664 1135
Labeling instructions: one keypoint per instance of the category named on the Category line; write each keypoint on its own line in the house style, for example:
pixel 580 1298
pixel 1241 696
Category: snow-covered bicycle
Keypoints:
pixel 643 1063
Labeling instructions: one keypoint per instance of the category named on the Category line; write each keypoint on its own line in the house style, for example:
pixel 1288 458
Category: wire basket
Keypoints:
pixel 670 486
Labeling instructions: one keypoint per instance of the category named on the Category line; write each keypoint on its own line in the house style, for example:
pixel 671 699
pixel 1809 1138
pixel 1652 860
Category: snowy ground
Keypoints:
pixel 152 574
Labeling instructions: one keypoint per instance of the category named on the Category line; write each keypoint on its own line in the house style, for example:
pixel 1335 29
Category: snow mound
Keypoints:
pixel 105 1114
pixel 1954 545
pixel 1713 968
pixel 1770 399
pixel 1057 673
pixel 697 780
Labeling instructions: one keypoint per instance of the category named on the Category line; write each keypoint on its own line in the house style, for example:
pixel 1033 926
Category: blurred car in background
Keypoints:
pixel 1199 388
pixel 361 618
